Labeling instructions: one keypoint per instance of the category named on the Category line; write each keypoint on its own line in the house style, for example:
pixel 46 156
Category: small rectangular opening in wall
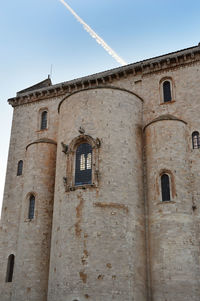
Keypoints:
pixel 138 70
pixel 93 82
pixel 72 87
pixel 79 85
pixel 100 81
pixel 106 79
pixel 113 76
pixel 138 81
pixel 129 71
pixel 173 60
pixel 121 74
pixel 86 84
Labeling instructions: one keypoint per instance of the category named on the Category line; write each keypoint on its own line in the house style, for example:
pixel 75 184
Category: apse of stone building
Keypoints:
pixel 102 190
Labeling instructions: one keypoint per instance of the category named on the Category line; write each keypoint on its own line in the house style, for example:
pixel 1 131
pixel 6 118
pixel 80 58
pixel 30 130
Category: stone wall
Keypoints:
pixel 114 240
pixel 25 130
pixel 33 246
pixel 98 247
pixel 174 248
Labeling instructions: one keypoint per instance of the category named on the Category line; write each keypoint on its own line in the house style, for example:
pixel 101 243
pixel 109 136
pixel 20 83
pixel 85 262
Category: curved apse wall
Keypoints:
pixel 103 226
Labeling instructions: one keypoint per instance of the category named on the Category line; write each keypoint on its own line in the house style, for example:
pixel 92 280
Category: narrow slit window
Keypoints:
pixel 19 168
pixel 165 187
pixel 43 120
pixel 195 140
pixel 167 95
pixel 10 268
pixel 31 207
pixel 83 168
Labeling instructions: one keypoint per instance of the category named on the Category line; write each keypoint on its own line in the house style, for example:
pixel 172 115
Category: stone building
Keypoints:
pixel 102 194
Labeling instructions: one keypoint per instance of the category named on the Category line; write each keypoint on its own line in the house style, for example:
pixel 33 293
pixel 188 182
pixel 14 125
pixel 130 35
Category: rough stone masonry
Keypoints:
pixel 129 230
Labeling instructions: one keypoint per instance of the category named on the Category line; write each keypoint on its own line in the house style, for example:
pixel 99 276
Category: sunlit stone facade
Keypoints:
pixel 124 225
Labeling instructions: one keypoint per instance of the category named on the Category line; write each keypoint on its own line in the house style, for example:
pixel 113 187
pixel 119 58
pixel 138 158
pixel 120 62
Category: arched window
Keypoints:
pixel 83 168
pixel 10 268
pixel 167 94
pixel 165 187
pixel 19 168
pixel 195 140
pixel 31 207
pixel 43 125
pixel 82 163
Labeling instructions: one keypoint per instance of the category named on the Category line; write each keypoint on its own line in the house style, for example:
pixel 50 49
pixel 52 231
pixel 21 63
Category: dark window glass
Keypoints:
pixel 195 140
pixel 10 268
pixel 19 168
pixel 165 187
pixel 83 169
pixel 43 120
pixel 31 207
pixel 167 91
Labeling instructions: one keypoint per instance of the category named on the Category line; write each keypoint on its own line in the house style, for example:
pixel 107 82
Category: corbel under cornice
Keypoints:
pixel 143 68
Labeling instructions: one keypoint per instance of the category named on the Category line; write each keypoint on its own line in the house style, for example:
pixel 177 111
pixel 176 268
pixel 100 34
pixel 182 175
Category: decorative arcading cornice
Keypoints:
pixel 157 64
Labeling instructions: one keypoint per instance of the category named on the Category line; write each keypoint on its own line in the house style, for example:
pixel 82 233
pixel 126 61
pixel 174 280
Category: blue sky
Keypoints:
pixel 37 33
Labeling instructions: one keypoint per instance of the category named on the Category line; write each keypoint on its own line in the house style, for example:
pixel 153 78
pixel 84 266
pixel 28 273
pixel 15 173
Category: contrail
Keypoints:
pixel 95 36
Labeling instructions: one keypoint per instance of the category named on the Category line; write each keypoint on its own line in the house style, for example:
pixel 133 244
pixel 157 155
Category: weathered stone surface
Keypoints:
pixel 88 220
pixel 114 239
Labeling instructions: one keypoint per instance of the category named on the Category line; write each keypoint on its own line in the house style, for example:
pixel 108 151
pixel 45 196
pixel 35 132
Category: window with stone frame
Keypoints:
pixel 31 208
pixel 19 168
pixel 10 268
pixel 43 124
pixel 167 91
pixel 165 187
pixel 83 168
pixel 195 140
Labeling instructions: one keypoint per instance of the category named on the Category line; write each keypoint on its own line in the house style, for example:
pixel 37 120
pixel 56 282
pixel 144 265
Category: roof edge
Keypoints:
pixel 148 66
pixel 43 84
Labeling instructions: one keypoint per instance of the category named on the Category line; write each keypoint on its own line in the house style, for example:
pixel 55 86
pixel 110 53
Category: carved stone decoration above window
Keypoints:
pixel 82 168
